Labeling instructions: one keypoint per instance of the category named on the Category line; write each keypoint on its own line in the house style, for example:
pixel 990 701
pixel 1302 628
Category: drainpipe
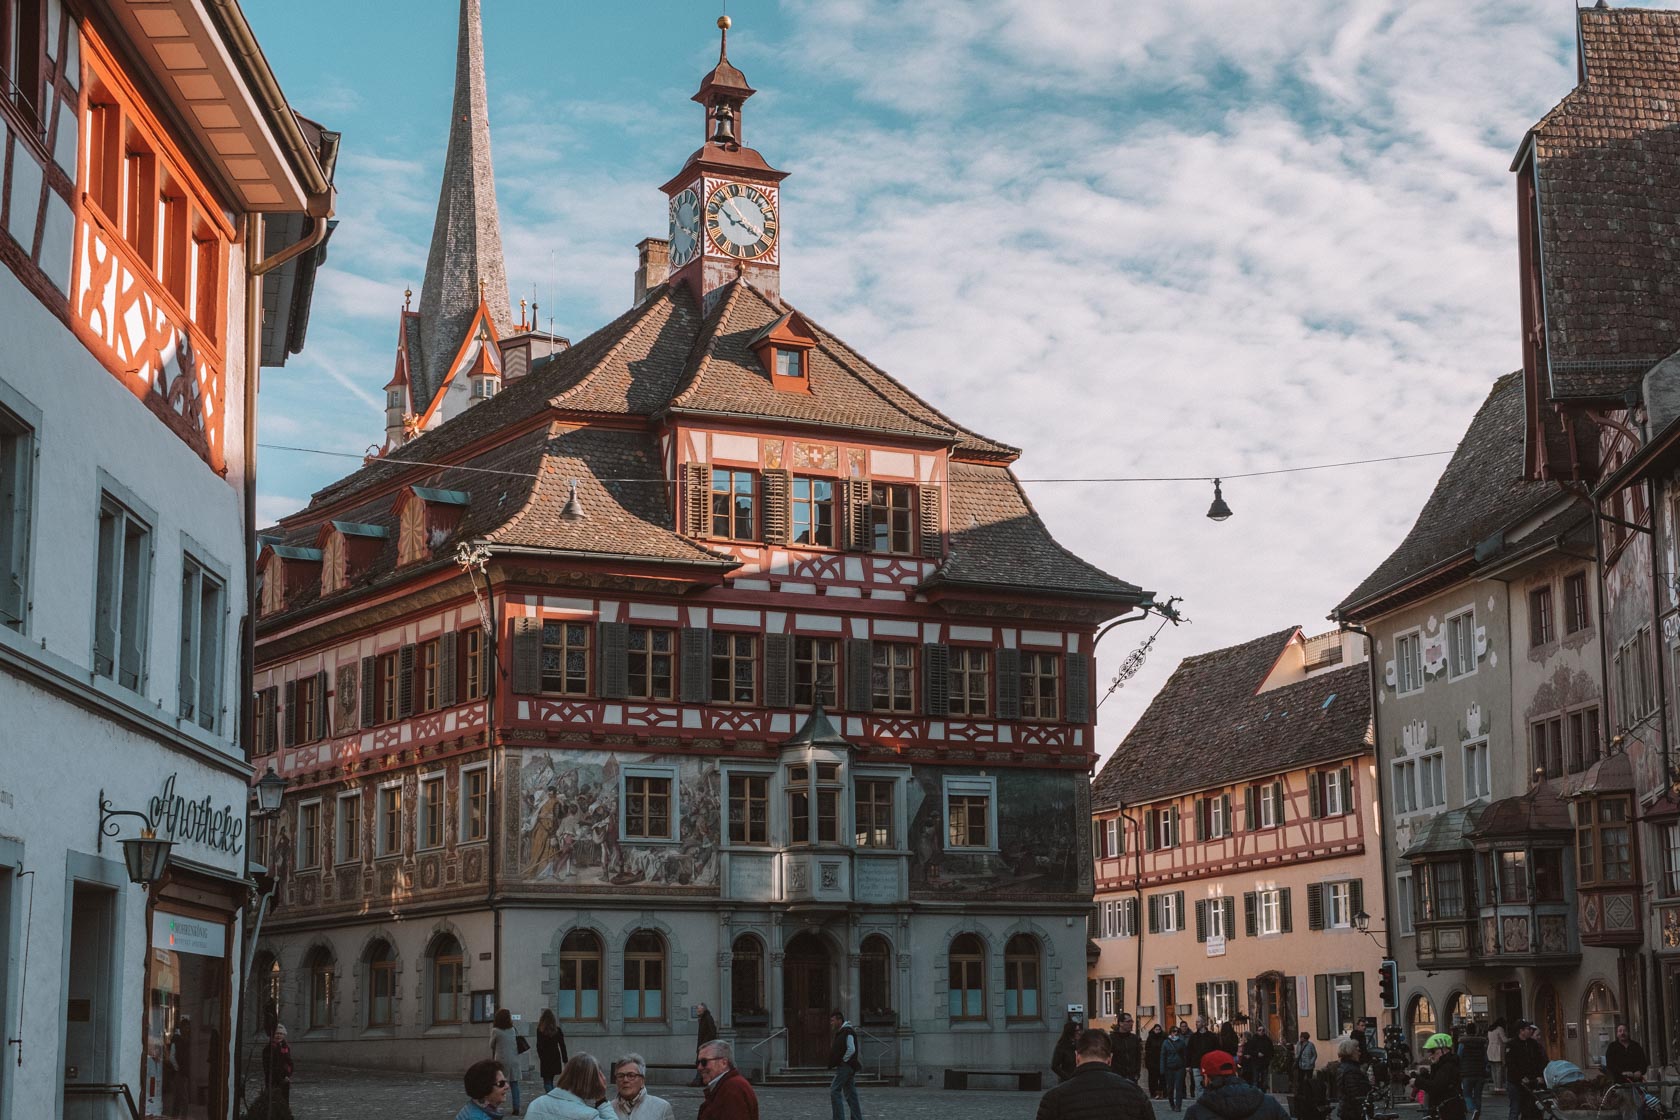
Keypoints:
pixel 1389 910
pixel 1137 901
pixel 1657 646
pixel 491 645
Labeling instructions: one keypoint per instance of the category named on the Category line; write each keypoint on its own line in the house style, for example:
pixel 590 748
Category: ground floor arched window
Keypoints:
pixel 579 998
pixel 746 981
pixel 381 965
pixel 319 967
pixel 1021 978
pixel 447 980
pixel 1420 1022
pixel 1598 1017
pixel 968 978
pixel 875 979
pixel 644 977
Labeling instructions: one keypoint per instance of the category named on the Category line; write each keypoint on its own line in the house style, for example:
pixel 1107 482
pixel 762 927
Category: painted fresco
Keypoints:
pixel 569 823
pixel 1038 818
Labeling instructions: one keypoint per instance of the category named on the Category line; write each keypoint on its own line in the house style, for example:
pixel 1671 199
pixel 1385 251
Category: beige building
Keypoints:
pixel 1234 833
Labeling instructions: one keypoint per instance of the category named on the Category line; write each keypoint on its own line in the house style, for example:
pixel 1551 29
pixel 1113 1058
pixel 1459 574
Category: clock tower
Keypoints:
pixel 725 206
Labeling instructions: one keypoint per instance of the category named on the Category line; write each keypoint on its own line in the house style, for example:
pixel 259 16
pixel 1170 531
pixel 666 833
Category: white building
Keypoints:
pixel 130 324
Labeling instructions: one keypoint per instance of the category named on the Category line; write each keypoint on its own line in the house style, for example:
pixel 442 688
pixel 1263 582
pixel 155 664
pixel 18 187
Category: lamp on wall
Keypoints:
pixel 146 856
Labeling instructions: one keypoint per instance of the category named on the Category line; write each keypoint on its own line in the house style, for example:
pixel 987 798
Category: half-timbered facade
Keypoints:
pixel 146 150
pixel 1234 844
pixel 705 662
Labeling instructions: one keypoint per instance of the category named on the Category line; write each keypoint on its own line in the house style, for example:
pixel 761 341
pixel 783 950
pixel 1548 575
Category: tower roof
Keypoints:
pixel 724 82
pixel 466 253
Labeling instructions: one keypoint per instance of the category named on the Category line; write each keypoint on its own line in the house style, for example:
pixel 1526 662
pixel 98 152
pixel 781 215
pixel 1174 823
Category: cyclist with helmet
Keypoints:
pixel 1443 1090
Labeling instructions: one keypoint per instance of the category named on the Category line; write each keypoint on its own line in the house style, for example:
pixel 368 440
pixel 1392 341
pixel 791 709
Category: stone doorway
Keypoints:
pixel 807 998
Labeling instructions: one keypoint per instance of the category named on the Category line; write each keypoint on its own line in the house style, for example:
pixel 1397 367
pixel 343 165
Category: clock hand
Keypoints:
pixel 740 219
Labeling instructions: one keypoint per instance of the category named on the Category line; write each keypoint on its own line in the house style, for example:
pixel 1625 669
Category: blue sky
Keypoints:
pixel 1130 238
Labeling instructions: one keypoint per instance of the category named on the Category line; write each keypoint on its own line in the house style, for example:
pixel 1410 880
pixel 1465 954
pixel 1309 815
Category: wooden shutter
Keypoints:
pixel 1347 789
pixel 319 731
pixel 1154 913
pixel 1230 822
pixel 1201 819
pixel 486 661
pixel 928 501
pixel 859 526
pixel 1230 905
pixel 936 679
pixel 696 500
pixel 778 513
pixel 1201 919
pixel 696 680
pixel 449 669
pixel 1178 910
pixel 370 681
pixel 289 728
pixel 405 682
pixel 1076 670
pixel 1321 997
pixel 1356 896
pixel 859 661
pixel 1008 663
pixel 612 654
pixel 1315 795
pixel 1173 816
pixel 271 734
pixel 1358 979
pixel 1251 808
pixel 778 670
pixel 527 656
pixel 1277 803
pixel 1315 905
pixel 1149 834
pixel 1251 920
pixel 1286 912
pixel 1131 917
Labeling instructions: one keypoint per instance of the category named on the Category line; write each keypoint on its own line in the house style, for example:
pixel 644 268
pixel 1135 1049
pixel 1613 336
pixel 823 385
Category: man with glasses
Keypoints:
pixel 729 1095
pixel 1127 1048
pixel 633 1101
pixel 487 1087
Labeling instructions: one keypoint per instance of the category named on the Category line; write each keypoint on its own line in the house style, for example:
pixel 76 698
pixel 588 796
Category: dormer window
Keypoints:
pixel 784 347
pixel 333 567
pixel 483 388
pixel 425 518
pixel 790 363
pixel 348 548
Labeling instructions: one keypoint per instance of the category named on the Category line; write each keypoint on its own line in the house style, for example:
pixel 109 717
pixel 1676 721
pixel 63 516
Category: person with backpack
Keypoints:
pixel 1175 1055
pixel 1440 1083
pixel 1229 1097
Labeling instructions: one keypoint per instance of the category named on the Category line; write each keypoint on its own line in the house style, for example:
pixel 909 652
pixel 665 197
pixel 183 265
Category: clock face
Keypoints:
pixel 685 227
pixel 741 221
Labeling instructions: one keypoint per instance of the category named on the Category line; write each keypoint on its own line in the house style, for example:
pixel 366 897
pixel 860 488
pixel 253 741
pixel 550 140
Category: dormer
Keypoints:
pixel 784 348
pixel 425 518
pixel 286 570
pixel 347 549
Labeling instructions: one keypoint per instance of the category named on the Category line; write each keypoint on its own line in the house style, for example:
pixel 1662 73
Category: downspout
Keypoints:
pixel 1635 958
pixel 1389 909
pixel 491 645
pixel 1137 901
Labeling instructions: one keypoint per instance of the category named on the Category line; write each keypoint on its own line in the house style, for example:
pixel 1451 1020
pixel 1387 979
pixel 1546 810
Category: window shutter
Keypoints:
pixel 778 488
pixel 405 682
pixel 1277 802
pixel 859 657
pixel 1225 802
pixel 1321 997
pixel 1286 911
pixel 1201 919
pixel 1315 795
pixel 486 659
pixel 696 679
pixel 1154 913
pixel 527 656
pixel 1250 918
pixel 1347 789
pixel 778 670
pixel 369 683
pixel 272 734
pixel 1130 912
pixel 936 679
pixel 612 651
pixel 1008 683
pixel 1178 910
pixel 1315 905
pixel 1173 819
pixel 289 730
pixel 1358 979
pixel 1149 835
pixel 1201 998
pixel 449 669
pixel 321 706
pixel 1076 670
pixel 854 492
pixel 1251 808
pixel 1356 896
pixel 1230 905
pixel 1201 819
pixel 928 501
pixel 697 499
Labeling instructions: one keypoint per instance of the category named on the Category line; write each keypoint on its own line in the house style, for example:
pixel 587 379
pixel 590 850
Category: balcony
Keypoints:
pixel 1529 936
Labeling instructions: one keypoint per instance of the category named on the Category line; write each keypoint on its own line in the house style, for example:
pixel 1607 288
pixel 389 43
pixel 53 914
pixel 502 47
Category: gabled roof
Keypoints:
pixel 1444 833
pixel 1209 725
pixel 1540 810
pixel 1481 492
pixel 1607 167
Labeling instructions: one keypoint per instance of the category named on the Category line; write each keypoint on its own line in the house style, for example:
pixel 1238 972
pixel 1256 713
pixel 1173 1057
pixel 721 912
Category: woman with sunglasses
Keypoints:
pixel 486 1084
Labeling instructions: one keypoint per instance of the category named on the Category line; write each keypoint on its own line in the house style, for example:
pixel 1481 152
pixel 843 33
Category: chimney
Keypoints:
pixel 653 265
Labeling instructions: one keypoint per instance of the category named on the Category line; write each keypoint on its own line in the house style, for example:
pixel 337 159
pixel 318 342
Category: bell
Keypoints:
pixel 723 125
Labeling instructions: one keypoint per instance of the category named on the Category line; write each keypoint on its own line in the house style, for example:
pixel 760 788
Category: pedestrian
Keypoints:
pixel 277 1064
pixel 1064 1059
pixel 1352 1086
pixel 1203 1042
pixel 707 1031
pixel 1440 1083
pixel 1472 1065
pixel 1095 1091
pixel 631 1100
pixel 551 1048
pixel 1625 1059
pixel 486 1084
pixel 729 1095
pixel 1525 1059
pixel 504 1047
pixel 1127 1048
pixel 1175 1051
pixel 1305 1060
pixel 1228 1040
pixel 844 1061
pixel 1229 1097
pixel 1496 1055
pixel 1257 1057
pixel 1152 1058
pixel 579 1093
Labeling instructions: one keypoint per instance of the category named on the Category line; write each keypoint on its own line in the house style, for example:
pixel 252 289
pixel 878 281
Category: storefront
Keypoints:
pixel 190 971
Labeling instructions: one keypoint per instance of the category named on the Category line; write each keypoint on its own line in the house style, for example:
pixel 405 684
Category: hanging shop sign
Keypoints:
pixel 177 818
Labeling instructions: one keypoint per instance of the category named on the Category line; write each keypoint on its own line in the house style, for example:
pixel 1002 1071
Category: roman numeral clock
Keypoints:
pixel 724 220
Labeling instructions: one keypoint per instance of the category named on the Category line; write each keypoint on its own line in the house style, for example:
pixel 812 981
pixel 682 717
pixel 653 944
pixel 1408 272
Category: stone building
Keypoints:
pixel 704 663
pixel 1236 847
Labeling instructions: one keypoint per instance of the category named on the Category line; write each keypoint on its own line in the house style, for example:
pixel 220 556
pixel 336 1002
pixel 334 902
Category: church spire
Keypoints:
pixel 465 263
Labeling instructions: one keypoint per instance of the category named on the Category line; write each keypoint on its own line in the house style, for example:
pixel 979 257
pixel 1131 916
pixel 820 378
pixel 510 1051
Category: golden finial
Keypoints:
pixel 723 23
pixel 408 294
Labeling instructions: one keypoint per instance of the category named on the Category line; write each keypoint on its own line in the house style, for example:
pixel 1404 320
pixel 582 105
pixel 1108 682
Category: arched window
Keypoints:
pixel 263 995
pixel 1548 1013
pixel 875 979
pixel 1598 1012
pixel 1459 1010
pixel 318 966
pixel 381 964
pixel 1420 1019
pixel 580 977
pixel 644 977
pixel 746 981
pixel 1020 978
pixel 968 978
pixel 446 980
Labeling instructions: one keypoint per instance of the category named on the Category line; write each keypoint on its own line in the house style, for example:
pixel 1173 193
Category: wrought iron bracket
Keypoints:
pixel 108 825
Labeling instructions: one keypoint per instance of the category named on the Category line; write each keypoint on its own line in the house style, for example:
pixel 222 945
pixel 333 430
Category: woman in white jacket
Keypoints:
pixel 579 1093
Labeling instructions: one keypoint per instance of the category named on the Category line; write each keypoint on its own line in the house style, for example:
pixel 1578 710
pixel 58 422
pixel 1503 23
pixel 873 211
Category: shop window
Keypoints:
pixel 746 981
pixel 381 983
pixel 1021 979
pixel 875 969
pixel 447 981
pixel 749 808
pixel 579 998
pixel 874 813
pixel 966 968
pixel 644 978
pixel 188 988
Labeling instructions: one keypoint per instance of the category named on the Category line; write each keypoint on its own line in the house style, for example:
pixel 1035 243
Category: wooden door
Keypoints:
pixel 807 998
pixel 1169 1000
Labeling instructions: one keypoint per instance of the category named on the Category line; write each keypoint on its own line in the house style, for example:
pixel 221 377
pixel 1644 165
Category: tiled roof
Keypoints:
pixel 1481 492
pixel 1209 727
pixel 1538 810
pixel 1607 163
pixel 997 536
pixel 1444 832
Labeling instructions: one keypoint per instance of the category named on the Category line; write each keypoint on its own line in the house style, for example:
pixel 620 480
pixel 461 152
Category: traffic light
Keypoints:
pixel 1388 983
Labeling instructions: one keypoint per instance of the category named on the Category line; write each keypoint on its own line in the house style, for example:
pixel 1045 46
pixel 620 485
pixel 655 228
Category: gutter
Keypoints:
pixel 1389 911
pixel 556 553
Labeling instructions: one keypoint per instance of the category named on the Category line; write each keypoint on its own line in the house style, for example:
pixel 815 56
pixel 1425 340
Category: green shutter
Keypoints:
pixel 860 653
pixel 288 730
pixel 1356 896
pixel 1008 683
pixel 1230 905
pixel 1321 997
pixel 936 679
pixel 1315 795
pixel 405 682
pixel 1201 919
pixel 1201 819
pixel 1286 910
pixel 1077 670
pixel 1251 920
pixel 1225 801
pixel 1251 808
pixel 1154 913
pixel 1277 803
pixel 369 683
pixel 449 669
pixel 695 684
pixel 1358 979
pixel 1315 906
pixel 1347 789
pixel 778 670
pixel 321 706
pixel 527 656
pixel 928 501
pixel 612 654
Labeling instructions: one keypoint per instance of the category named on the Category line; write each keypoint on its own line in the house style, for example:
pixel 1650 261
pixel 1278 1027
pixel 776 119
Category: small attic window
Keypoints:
pixel 790 363
pixel 483 388
pixel 783 346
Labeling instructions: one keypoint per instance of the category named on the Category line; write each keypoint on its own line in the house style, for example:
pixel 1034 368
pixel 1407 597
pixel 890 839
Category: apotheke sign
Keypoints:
pixel 197 822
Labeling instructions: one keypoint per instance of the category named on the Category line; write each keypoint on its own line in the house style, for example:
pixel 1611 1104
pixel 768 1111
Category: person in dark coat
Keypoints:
pixel 1128 1048
pixel 1525 1059
pixel 1625 1059
pixel 1443 1088
pixel 1152 1058
pixel 1472 1065
pixel 1228 1040
pixel 1202 1043
pixel 1228 1097
pixel 277 1064
pixel 845 1061
pixel 707 1032
pixel 1352 1086
pixel 1064 1059
pixel 551 1047
pixel 1257 1057
pixel 729 1095
pixel 1095 1091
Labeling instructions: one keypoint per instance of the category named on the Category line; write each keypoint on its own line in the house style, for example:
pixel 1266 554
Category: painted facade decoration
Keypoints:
pixel 1434 652
pixel 1037 839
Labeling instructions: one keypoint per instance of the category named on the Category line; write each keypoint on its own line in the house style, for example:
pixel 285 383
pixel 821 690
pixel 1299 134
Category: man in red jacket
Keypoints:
pixel 729 1095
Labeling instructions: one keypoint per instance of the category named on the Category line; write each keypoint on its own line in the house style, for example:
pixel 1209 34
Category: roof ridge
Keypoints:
pixel 630 319
pixel 705 341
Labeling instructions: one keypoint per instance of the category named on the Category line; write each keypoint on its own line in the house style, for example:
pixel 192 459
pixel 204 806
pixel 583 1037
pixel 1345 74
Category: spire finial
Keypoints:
pixel 724 24
pixel 408 297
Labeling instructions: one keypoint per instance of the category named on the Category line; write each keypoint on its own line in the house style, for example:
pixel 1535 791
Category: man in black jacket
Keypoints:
pixel 1127 1048
pixel 1625 1059
pixel 1525 1058
pixel 1202 1043
pixel 1095 1092
pixel 843 1060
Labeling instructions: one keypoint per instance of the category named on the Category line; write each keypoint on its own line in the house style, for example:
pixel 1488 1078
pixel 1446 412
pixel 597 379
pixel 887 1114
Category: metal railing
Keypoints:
pixel 768 1040
pixel 886 1047
pixel 111 1089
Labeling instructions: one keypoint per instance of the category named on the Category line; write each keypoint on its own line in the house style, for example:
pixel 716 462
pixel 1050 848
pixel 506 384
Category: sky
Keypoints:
pixel 1132 239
